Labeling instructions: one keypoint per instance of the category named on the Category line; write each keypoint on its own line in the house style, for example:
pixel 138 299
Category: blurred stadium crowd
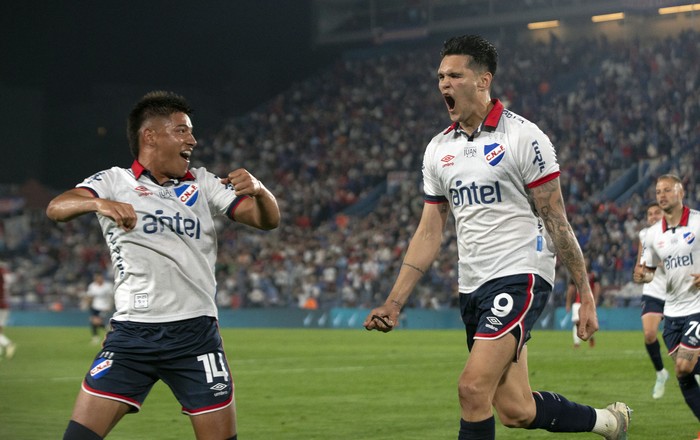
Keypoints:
pixel 342 151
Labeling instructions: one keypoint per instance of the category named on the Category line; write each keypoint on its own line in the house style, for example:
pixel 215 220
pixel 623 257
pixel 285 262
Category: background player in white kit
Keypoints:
pixel 7 347
pixel 157 220
pixel 497 173
pixel 674 242
pixel 653 298
pixel 99 298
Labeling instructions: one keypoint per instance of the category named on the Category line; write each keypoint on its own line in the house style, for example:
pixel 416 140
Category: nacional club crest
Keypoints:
pixel 689 237
pixel 187 194
pixel 493 153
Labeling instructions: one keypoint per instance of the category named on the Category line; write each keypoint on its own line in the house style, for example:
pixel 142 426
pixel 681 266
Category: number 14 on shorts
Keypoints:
pixel 212 368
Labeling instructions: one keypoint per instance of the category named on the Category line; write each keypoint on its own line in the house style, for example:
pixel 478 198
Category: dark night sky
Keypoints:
pixel 62 61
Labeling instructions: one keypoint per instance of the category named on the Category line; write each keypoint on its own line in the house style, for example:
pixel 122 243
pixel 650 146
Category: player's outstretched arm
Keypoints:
pixel 420 254
pixel 549 203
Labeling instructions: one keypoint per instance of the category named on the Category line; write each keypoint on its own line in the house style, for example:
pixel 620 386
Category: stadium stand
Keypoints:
pixel 342 150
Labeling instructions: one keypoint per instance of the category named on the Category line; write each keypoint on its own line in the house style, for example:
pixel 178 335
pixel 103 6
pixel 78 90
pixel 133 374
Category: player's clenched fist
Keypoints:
pixel 243 182
pixel 123 214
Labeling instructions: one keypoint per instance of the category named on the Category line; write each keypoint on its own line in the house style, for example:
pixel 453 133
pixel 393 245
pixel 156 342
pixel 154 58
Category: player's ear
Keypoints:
pixel 485 79
pixel 147 135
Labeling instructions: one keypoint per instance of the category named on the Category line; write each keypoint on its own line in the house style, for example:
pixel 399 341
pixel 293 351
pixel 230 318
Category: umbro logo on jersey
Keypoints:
pixel 494 153
pixel 187 194
pixel 143 191
pixel 447 161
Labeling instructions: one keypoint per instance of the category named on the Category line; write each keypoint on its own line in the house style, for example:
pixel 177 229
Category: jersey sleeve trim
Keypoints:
pixel 434 200
pixel 543 180
pixel 92 191
pixel 230 211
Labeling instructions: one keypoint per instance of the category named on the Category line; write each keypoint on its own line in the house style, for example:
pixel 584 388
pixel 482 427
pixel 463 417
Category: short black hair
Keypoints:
pixel 153 104
pixel 483 54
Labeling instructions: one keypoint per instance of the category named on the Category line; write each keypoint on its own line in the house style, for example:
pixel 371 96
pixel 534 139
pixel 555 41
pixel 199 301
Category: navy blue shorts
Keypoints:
pixel 652 305
pixel 187 355
pixel 510 304
pixel 682 331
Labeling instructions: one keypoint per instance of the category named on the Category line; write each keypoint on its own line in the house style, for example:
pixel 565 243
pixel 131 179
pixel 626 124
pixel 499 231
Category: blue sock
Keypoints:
pixel 654 350
pixel 556 414
pixel 691 393
pixel 483 430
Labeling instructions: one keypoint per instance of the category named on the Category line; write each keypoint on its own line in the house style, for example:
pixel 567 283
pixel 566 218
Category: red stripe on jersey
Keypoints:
pixel 544 179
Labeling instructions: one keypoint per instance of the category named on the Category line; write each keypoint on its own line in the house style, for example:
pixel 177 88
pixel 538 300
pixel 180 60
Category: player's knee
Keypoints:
pixel 513 417
pixel 470 392
pixel 649 336
pixel 76 431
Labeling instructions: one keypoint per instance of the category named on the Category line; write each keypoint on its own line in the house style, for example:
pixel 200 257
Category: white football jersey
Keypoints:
pixel 677 250
pixel 484 178
pixel 657 287
pixel 102 295
pixel 164 267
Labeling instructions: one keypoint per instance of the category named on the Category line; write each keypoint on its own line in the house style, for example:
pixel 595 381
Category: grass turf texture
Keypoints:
pixel 341 384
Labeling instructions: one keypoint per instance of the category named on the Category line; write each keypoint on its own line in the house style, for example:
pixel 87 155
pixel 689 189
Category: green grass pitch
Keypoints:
pixel 341 384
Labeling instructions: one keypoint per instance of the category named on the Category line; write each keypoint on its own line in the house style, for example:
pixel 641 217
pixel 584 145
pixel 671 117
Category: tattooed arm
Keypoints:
pixel 549 204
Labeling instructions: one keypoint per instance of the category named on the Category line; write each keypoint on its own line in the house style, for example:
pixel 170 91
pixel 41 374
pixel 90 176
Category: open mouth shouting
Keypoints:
pixel 185 154
pixel 450 102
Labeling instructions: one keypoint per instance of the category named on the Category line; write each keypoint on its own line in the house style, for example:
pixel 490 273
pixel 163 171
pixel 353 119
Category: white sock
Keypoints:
pixel 4 341
pixel 605 422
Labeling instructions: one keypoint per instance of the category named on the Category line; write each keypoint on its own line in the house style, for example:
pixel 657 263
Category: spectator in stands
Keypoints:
pixel 165 324
pixel 498 175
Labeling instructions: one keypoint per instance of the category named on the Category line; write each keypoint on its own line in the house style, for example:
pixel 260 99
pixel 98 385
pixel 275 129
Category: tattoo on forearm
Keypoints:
pixel 415 268
pixel 550 207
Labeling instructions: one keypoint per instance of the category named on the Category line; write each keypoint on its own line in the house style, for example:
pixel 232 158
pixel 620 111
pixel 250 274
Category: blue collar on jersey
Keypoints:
pixel 139 171
pixel 683 222
pixel 491 120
